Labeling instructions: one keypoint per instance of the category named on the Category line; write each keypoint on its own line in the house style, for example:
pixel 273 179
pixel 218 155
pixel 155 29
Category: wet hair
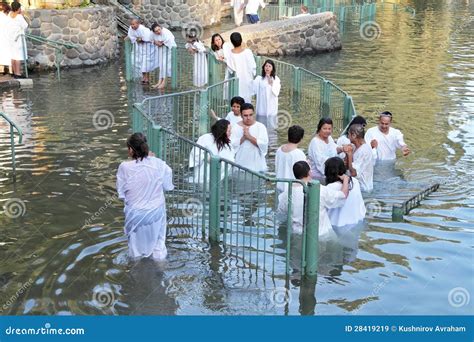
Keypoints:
pixel 358 120
pixel 246 106
pixel 192 34
pixel 5 8
pixel 333 168
pixel 237 99
pixel 295 134
pixel 272 74
pixel 301 169
pixel 154 26
pixel 137 142
pixel 386 113
pixel 236 39
pixel 214 46
pixel 358 130
pixel 322 122
pixel 15 6
pixel 219 132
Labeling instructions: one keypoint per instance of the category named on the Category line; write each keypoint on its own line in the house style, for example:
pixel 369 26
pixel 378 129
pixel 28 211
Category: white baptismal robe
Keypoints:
pixel 141 183
pixel 5 54
pixel 144 54
pixel 164 52
pixel 284 162
pixel 267 96
pixel 387 143
pixel 318 153
pixel 15 31
pixel 353 211
pixel 243 64
pixel 200 74
pixel 247 154
pixel 363 163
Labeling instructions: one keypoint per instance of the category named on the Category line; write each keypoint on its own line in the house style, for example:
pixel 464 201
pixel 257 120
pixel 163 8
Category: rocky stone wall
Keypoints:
pixel 309 34
pixel 93 30
pixel 179 13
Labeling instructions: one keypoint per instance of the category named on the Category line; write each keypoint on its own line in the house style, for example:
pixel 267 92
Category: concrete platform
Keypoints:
pixel 8 82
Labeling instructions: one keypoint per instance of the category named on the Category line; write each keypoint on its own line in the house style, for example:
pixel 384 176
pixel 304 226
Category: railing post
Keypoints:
pixel 325 99
pixel 347 111
pixel 156 141
pixel 397 213
pixel 312 229
pixel 203 112
pixel 296 88
pixel 214 208
pixel 12 143
pixel 128 60
pixel 174 67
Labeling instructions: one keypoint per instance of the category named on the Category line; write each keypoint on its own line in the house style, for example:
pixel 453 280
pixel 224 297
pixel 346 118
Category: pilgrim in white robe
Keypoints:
pixel 141 184
pixel 284 162
pixel 328 199
pixel 318 153
pixel 243 64
pixel 5 57
pixel 341 141
pixel 247 154
pixel 363 163
pixel 353 211
pixel 164 52
pixel 267 96
pixel 387 143
pixel 238 11
pixel 16 32
pixel 232 118
pixel 200 74
pixel 144 53
pixel 197 157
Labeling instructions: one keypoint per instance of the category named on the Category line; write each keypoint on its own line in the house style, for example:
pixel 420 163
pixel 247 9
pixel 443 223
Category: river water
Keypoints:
pixel 54 262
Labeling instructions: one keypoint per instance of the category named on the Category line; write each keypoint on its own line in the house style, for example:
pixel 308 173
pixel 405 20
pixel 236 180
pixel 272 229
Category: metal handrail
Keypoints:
pixel 12 139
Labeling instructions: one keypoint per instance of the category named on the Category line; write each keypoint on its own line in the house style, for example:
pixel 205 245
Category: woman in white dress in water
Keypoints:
pixel 321 148
pixel 198 50
pixel 218 142
pixel 5 59
pixel 221 50
pixel 267 88
pixel 353 211
pixel 16 32
pixel 141 183
pixel 164 40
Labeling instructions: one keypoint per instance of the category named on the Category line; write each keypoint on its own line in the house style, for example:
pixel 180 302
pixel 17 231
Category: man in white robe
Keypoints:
pixel 238 7
pixel 385 140
pixel 165 41
pixel 250 141
pixel 360 162
pixel 144 52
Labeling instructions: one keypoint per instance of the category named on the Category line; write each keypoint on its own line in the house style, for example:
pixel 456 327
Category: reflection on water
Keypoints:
pixel 69 260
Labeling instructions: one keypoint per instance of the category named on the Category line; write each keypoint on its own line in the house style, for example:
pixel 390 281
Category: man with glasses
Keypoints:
pixel 385 140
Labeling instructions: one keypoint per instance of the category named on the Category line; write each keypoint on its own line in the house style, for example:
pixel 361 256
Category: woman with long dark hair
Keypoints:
pixel 353 211
pixel 16 32
pixel 218 143
pixel 141 183
pixel 164 40
pixel 267 88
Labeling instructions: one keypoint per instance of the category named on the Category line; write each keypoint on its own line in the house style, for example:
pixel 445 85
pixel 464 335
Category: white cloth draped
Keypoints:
pixel 284 162
pixel 5 56
pixel 253 5
pixel 141 184
pixel 267 95
pixel 144 54
pixel 243 64
pixel 247 154
pixel 387 143
pixel 238 11
pixel 353 211
pixel 363 163
pixel 318 153
pixel 164 52
pixel 16 30
pixel 200 73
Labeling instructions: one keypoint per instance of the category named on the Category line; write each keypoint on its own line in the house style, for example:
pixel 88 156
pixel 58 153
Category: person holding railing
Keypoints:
pixel 385 140
pixel 198 50
pixel 165 41
pixel 16 31
pixel 250 141
pixel 287 155
pixel 143 55
pixel 242 62
pixel 267 88
pixel 218 142
pixel 360 163
pixel 328 199
pixel 5 59
pixel 234 116
pixel 141 183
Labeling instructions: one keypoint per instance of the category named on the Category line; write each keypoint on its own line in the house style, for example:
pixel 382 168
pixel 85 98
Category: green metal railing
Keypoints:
pixel 398 210
pixel 233 206
pixel 56 45
pixel 12 129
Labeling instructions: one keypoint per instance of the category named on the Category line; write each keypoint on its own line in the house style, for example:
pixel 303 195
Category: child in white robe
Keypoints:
pixel 141 183
pixel 360 162
pixel 218 143
pixel 287 155
pixel 353 211
pixel 250 141
pixel 197 48
pixel 267 88
pixel 328 198
pixel 234 115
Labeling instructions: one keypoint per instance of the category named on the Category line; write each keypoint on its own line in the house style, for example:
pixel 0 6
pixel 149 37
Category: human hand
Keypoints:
pixel 344 178
pixel 347 149
pixel 374 143
pixel 246 132
pixel 405 150
pixel 151 154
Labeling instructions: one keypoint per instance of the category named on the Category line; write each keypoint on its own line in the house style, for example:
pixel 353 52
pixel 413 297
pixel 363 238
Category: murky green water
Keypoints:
pixel 421 69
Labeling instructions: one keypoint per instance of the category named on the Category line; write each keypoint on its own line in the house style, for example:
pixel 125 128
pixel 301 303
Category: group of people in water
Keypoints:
pixel 344 167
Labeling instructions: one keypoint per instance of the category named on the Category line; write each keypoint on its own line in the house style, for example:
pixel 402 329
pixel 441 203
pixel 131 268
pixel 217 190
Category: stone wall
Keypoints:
pixel 93 30
pixel 310 34
pixel 179 13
